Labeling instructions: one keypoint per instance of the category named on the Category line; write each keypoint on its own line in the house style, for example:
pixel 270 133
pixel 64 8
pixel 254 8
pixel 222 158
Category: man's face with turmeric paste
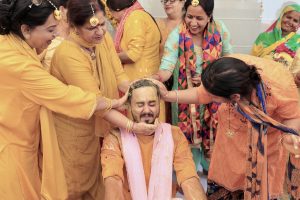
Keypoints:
pixel 145 104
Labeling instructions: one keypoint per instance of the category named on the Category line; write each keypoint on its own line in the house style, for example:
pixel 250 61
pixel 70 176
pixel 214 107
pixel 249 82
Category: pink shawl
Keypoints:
pixel 160 184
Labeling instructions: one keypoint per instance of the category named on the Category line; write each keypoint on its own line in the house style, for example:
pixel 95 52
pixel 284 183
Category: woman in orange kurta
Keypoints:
pixel 26 90
pixel 245 94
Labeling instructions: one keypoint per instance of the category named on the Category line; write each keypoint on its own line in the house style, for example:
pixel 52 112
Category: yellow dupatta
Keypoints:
pixel 260 51
pixel 105 71
pixel 53 183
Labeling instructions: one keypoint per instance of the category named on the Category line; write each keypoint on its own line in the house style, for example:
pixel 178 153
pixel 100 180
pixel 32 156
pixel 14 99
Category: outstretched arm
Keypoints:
pixel 188 96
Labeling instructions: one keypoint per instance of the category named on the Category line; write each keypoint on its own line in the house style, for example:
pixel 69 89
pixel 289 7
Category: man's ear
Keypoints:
pixel 26 31
pixel 235 97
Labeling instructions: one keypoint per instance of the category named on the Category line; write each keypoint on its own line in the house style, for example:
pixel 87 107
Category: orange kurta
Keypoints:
pixel 228 163
pixel 113 163
pixel 24 88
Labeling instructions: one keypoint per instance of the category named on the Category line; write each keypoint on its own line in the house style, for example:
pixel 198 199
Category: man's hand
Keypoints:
pixel 113 188
pixel 193 190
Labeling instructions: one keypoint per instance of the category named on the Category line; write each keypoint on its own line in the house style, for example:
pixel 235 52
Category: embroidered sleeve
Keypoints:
pixel 40 87
pixel 170 55
pixel 111 157
pixel 135 29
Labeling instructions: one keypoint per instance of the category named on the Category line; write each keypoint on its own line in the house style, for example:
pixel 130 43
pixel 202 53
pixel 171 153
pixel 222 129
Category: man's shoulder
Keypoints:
pixel 177 134
pixel 114 133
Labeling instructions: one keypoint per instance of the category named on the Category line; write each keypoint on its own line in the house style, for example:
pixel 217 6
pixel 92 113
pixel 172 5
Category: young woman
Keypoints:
pixel 248 160
pixel 190 47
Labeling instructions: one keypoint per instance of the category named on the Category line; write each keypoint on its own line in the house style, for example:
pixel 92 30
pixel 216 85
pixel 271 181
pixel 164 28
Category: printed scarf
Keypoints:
pixel 257 161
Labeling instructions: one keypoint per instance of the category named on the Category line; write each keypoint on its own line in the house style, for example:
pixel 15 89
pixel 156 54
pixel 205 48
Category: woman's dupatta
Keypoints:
pixel 53 182
pixel 190 117
pixel 120 27
pixel 257 161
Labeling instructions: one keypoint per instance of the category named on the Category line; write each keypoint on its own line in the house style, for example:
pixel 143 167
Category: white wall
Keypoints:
pixel 244 18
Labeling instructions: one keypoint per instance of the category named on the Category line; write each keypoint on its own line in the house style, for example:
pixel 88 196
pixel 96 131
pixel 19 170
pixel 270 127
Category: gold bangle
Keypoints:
pixel 108 104
pixel 129 126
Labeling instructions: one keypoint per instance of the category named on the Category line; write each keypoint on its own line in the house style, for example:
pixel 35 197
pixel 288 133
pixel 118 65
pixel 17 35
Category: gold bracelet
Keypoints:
pixel 129 126
pixel 108 104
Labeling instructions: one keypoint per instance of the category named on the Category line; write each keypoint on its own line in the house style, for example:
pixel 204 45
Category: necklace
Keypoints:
pixel 91 52
pixel 230 132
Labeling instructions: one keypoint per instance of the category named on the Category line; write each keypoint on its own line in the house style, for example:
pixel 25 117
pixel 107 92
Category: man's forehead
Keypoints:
pixel 144 94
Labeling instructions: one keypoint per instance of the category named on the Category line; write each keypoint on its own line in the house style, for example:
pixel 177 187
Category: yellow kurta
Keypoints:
pixel 24 88
pixel 113 163
pixel 140 41
pixel 77 138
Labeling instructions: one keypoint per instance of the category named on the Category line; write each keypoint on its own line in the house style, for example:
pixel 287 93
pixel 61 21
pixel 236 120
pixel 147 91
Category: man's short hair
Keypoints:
pixel 139 84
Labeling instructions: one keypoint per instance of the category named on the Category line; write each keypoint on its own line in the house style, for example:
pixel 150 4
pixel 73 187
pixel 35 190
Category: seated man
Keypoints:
pixel 148 159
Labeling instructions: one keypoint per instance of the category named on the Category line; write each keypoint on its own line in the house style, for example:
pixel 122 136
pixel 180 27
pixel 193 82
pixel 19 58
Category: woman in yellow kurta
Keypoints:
pixel 86 59
pixel 26 89
pixel 137 38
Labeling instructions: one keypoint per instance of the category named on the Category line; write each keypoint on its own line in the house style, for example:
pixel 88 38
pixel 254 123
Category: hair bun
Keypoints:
pixel 254 75
pixel 6 11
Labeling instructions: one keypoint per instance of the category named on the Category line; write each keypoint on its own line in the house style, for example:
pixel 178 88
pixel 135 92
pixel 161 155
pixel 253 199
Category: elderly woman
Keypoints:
pixel 281 42
pixel 87 59
pixel 190 47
